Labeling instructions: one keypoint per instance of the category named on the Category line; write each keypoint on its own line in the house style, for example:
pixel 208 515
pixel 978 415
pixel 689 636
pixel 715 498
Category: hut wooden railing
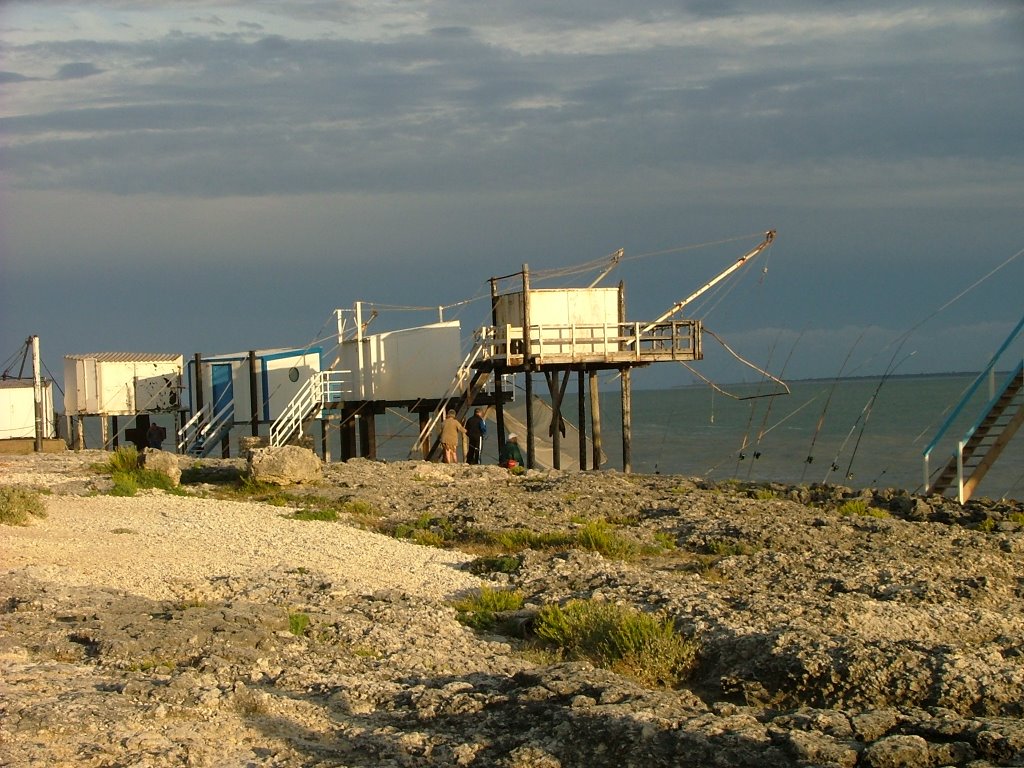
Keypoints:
pixel 634 342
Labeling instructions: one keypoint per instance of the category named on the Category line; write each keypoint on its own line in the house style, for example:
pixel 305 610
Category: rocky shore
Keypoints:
pixel 836 627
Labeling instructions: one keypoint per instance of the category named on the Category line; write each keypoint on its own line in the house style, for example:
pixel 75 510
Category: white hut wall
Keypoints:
pixel 404 365
pixel 18 411
pixel 564 321
pixel 119 387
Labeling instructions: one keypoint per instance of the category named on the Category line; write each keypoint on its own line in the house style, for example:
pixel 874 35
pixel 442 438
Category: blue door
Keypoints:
pixel 223 390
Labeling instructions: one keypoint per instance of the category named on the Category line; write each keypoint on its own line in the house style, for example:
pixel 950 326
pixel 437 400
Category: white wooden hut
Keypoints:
pixel 18 409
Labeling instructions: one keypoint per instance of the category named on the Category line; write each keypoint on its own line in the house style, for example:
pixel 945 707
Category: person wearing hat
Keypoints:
pixel 511 456
pixel 450 437
pixel 476 431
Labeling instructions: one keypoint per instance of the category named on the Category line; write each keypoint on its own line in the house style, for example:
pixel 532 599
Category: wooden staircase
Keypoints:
pixel 985 441
pixel 461 407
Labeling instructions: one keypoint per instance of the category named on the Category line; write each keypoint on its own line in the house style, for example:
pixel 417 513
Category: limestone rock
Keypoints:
pixel 286 465
pixel 163 462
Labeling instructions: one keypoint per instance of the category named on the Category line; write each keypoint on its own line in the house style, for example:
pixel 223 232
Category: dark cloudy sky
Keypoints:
pixel 220 176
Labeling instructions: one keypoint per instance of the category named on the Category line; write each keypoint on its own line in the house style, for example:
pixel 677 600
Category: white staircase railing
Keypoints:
pixel 322 387
pixel 202 431
pixel 458 384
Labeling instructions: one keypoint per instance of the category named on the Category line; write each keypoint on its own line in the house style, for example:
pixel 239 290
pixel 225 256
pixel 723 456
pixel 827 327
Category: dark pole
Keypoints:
pixel 198 373
pixel 595 419
pixel 254 400
pixel 581 419
pixel 627 421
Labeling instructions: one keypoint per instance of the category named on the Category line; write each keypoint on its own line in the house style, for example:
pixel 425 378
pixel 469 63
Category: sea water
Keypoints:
pixel 858 432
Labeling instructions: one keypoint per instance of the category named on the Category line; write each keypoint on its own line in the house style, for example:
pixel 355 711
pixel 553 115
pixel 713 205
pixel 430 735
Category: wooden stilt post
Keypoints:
pixel 348 436
pixel 530 444
pixel 581 418
pixel 254 400
pixel 595 420
pixel 325 448
pixel 104 431
pixel 115 442
pixel 368 435
pixel 425 444
pixel 79 432
pixel 556 416
pixel 499 410
pixel 627 421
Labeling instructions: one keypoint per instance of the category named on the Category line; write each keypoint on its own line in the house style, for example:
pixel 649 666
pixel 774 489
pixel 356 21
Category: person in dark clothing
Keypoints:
pixel 155 435
pixel 511 456
pixel 476 431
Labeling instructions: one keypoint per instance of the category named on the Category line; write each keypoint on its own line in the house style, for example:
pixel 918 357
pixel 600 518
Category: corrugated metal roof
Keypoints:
pixel 128 357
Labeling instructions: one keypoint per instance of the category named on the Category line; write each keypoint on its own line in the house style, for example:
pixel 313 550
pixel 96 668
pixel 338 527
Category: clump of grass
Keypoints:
pixel 129 476
pixel 723 548
pixel 327 515
pixel 518 539
pixel 599 536
pixel 641 645
pixel 765 494
pixel 480 611
pixel 298 623
pixel 861 508
pixel 18 505
pixel 986 526
pixel 1016 517
pixel 123 459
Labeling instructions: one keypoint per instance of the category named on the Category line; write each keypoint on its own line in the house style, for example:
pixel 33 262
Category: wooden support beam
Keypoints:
pixel 254 400
pixel 627 421
pixel 595 420
pixel 499 409
pixel 581 419
pixel 368 434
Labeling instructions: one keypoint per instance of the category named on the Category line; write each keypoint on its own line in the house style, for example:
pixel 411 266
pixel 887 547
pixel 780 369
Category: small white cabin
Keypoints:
pixel 404 365
pixel 573 321
pixel 279 374
pixel 121 383
pixel 18 409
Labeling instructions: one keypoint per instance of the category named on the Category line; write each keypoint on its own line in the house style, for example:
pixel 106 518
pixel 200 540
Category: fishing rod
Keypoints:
pixel 740 456
pixel 821 419
pixel 767 412
pixel 865 414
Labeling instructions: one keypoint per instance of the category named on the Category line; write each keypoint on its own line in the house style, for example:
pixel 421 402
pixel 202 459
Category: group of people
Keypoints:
pixel 475 430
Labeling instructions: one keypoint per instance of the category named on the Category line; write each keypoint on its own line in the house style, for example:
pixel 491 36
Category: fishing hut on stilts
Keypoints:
pixel 555 333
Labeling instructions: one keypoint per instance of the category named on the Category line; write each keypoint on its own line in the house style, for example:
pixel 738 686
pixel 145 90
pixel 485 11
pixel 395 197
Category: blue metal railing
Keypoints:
pixel 988 372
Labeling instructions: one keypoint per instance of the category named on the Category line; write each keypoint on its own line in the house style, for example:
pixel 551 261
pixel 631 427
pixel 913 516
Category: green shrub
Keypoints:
pixel 123 459
pixel 518 539
pixel 599 536
pixel 125 483
pixel 328 515
pixel 724 548
pixel 621 638
pixel 860 507
pixel 17 505
pixel 298 623
pixel 480 610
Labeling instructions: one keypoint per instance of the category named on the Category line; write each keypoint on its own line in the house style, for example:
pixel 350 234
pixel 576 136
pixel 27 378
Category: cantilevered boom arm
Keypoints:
pixel 769 236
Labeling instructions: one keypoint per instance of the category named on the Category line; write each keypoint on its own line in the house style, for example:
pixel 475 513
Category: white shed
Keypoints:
pixel 122 383
pixel 564 321
pixel 280 374
pixel 404 365
pixel 18 409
